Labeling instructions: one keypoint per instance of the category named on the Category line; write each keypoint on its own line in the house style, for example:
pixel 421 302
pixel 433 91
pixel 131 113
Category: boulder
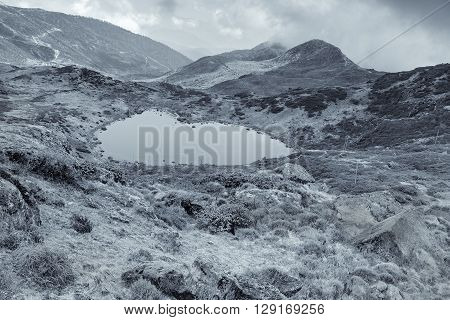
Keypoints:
pixel 269 284
pixel 285 283
pixel 397 237
pixel 295 172
pixel 358 212
pixel 169 277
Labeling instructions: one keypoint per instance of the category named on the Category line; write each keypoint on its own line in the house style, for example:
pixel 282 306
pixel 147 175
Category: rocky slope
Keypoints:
pixel 35 36
pixel 361 218
pixel 312 64
pixel 209 71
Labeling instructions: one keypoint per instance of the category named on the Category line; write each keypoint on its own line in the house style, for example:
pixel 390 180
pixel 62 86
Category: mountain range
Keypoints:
pixel 359 210
pixel 271 69
pixel 35 36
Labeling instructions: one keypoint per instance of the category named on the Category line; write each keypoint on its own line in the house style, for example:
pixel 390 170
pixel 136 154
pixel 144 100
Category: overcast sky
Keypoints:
pixel 202 27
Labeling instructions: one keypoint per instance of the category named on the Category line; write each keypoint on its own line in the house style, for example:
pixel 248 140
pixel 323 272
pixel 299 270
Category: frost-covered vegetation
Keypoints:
pixel 344 222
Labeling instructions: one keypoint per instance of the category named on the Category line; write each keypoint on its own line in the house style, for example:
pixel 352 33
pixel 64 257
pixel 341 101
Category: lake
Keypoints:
pixel 158 138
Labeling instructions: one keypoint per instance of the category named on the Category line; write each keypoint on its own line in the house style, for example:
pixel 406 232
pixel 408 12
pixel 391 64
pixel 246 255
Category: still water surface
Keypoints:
pixel 158 138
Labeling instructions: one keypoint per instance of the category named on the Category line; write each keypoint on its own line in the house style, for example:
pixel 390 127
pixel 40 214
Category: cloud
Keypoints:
pixel 168 6
pixel 357 27
pixel 182 22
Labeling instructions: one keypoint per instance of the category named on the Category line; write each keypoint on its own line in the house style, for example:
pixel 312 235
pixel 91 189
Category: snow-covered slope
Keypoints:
pixel 35 36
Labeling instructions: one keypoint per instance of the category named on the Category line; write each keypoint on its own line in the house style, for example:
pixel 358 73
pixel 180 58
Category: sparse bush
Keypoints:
pixel 226 218
pixel 281 233
pixel 312 247
pixel 290 209
pixel 276 212
pixel 145 290
pixel 247 233
pixel 145 211
pixel 283 224
pixel 214 188
pixel 173 216
pixel 10 241
pixel 259 214
pixel 81 224
pixel 49 166
pixel 307 219
pixel 47 268
pixel 141 256
pixel 11 238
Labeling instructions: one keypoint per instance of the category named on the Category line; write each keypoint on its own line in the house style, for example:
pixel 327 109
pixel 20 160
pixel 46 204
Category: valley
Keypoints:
pixel 298 227
pixel 357 209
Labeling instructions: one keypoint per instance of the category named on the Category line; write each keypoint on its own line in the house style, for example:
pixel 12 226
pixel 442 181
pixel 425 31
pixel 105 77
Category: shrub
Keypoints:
pixel 145 290
pixel 81 224
pixel 11 238
pixel 226 218
pixel 283 224
pixel 282 233
pixel 214 188
pixel 173 216
pixel 313 247
pixel 5 285
pixel 47 268
pixel 290 209
pixel 49 166
pixel 10 241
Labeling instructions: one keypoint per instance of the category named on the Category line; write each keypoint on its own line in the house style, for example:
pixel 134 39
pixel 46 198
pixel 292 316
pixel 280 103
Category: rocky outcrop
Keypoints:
pixel 18 208
pixel 295 172
pixel 398 237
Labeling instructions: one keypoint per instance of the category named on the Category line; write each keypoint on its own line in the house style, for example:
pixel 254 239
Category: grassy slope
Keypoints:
pixel 303 232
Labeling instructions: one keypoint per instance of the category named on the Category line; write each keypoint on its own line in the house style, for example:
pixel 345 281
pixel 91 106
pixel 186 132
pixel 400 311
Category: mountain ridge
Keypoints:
pixel 310 64
pixel 36 36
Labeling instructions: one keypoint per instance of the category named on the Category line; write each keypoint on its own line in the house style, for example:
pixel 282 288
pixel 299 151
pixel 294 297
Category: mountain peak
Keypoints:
pixel 270 45
pixel 315 51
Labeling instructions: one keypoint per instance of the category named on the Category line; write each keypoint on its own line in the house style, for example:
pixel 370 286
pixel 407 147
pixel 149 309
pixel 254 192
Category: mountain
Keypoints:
pixel 35 36
pixel 272 70
pixel 209 71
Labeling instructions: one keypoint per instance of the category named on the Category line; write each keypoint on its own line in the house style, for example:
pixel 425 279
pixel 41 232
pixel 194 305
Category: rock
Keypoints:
pixel 287 284
pixel 295 172
pixel 18 208
pixel 357 288
pixel 352 211
pixel 120 216
pixel 267 198
pixel 396 237
pixel 359 212
pixel 269 284
pixel 256 288
pixel 171 278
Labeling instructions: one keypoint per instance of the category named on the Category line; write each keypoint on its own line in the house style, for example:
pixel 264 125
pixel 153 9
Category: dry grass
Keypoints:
pixel 49 269
pixel 145 290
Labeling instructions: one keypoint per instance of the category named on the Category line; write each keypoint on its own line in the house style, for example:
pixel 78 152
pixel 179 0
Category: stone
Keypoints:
pixel 295 172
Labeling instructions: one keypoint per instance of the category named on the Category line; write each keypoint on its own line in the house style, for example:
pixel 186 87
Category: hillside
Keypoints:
pixel 370 220
pixel 312 64
pixel 35 36
pixel 211 70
